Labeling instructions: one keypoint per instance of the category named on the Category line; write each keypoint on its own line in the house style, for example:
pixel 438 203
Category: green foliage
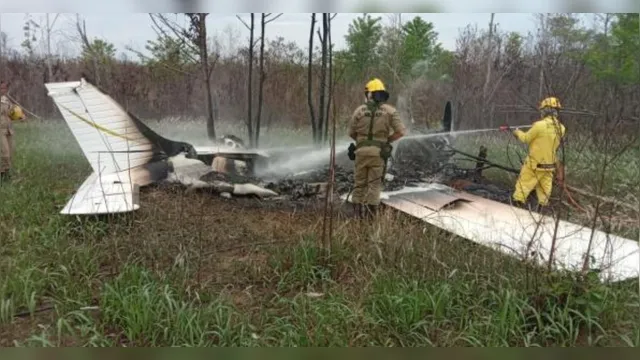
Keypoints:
pixel 419 43
pixel 513 47
pixel 362 39
pixel 566 31
pixel 394 52
pixel 442 64
pixel 100 50
pixel 168 50
pixel 614 56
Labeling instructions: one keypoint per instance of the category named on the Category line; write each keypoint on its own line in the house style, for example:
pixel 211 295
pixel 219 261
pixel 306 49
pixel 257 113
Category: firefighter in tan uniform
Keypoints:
pixel 374 126
pixel 8 113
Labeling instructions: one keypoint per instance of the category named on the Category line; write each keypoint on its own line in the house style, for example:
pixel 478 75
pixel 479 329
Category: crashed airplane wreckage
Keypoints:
pixel 125 154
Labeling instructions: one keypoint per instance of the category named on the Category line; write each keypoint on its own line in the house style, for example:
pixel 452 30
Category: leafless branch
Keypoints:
pixel 272 19
pixel 243 22
pixel 182 40
pixel 178 32
pixel 162 63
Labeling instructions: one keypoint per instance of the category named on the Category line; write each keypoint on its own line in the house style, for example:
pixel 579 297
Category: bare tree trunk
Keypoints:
pixel 249 92
pixel 82 31
pixel 487 80
pixel 2 72
pixel 262 78
pixel 2 45
pixel 323 80
pixel 331 85
pixel 543 48
pixel 48 58
pixel 310 80
pixel 204 55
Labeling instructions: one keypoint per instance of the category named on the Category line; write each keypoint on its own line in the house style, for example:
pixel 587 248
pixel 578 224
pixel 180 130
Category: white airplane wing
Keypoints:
pixel 518 232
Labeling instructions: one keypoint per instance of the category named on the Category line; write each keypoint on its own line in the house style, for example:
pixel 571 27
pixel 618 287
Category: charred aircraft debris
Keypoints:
pixel 421 181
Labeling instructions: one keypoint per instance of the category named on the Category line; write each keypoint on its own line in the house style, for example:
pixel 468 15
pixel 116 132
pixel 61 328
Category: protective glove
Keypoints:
pixel 505 128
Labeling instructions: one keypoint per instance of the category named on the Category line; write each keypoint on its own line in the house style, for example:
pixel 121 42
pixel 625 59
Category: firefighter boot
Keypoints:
pixel 5 176
pixel 371 211
pixel 357 210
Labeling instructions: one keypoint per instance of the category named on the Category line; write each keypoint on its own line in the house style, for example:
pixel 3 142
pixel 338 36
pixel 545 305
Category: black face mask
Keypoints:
pixel 380 96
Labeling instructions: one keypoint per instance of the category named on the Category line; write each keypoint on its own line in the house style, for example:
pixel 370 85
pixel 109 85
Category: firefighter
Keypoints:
pixel 6 132
pixel 543 140
pixel 373 126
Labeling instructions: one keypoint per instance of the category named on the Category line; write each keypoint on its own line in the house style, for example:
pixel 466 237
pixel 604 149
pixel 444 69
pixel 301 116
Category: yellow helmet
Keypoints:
pixel 550 102
pixel 16 113
pixel 374 85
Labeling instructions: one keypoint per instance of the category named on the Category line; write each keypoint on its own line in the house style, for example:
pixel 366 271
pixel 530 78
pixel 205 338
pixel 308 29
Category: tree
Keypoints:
pixel 419 43
pixel 99 53
pixel 363 38
pixel 489 56
pixel 48 30
pixel 195 39
pixel 330 84
pixel 322 107
pixel 614 57
pixel 167 51
pixel 29 28
pixel 319 120
pixel 265 19
pixel 390 50
pixel 251 46
pixel 312 114
pixel 197 33
pixel 99 49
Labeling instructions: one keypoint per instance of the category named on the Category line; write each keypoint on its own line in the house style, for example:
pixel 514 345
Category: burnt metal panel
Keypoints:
pixel 431 199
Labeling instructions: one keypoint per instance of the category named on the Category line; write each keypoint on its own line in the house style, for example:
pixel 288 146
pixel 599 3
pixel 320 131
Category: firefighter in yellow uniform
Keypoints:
pixel 543 140
pixel 8 113
pixel 373 126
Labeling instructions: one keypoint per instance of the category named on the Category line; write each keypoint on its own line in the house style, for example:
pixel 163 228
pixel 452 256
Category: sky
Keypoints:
pixel 123 23
pixel 296 6
pixel 134 29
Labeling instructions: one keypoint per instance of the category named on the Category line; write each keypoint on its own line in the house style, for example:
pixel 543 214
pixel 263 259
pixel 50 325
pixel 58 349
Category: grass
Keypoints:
pixel 195 270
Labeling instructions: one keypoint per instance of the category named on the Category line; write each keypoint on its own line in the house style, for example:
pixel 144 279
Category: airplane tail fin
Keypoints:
pixel 122 154
pixel 107 135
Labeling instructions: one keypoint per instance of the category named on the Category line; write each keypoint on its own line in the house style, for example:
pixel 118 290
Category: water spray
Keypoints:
pixel 304 158
pixel 456 132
